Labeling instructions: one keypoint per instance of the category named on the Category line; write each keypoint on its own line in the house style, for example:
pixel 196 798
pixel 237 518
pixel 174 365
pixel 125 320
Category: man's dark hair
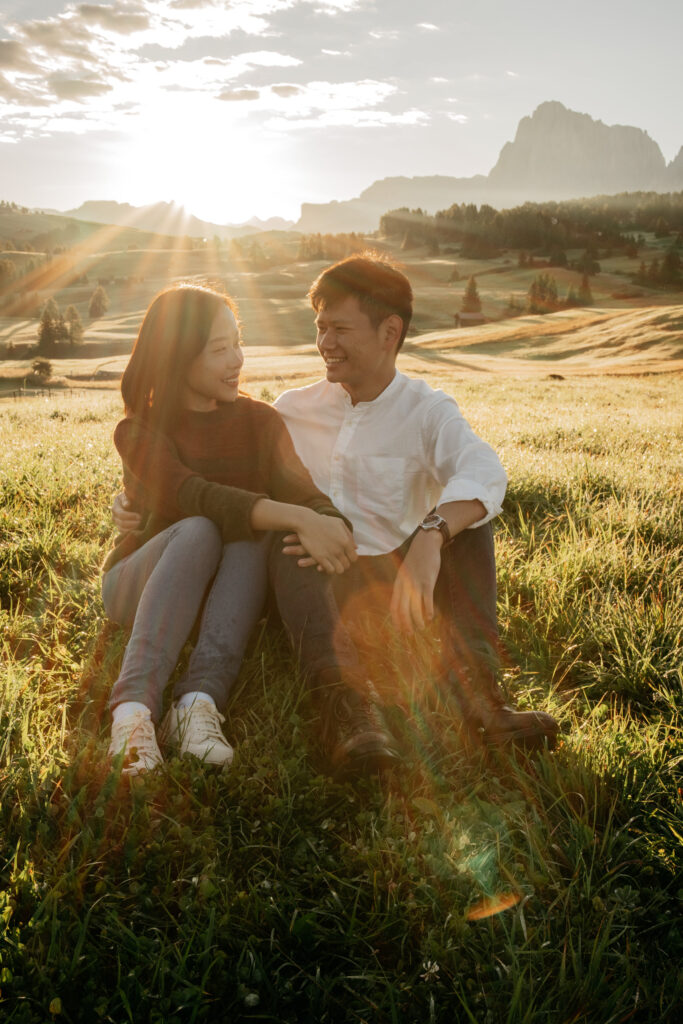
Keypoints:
pixel 380 287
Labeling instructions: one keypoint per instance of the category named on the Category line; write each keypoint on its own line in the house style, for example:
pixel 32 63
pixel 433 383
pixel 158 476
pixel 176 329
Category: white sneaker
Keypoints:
pixel 197 730
pixel 135 734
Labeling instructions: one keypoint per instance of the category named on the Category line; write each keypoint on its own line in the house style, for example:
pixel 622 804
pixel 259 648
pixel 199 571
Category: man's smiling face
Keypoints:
pixel 357 355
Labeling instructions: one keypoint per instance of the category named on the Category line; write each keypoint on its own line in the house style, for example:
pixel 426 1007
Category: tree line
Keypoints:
pixel 541 297
pixel 607 222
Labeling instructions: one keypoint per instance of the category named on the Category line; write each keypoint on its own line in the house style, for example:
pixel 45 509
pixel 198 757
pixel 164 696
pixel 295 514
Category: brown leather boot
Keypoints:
pixel 496 723
pixel 354 736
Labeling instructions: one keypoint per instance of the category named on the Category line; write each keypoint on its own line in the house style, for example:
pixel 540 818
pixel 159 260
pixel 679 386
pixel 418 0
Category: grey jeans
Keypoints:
pixel 158 590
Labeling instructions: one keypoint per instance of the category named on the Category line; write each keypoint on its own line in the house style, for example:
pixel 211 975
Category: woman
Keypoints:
pixel 213 470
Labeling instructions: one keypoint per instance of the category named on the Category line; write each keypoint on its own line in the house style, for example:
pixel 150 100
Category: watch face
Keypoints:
pixel 434 521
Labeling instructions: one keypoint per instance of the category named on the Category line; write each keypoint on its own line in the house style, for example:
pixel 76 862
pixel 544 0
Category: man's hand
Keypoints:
pixel 412 600
pixel 124 518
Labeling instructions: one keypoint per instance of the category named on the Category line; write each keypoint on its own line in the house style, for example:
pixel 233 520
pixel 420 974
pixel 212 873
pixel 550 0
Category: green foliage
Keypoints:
pixel 52 328
pixel 7 273
pixel 42 368
pixel 271 892
pixel 587 264
pixel 329 246
pixel 471 303
pixel 75 325
pixel 551 227
pixel 584 295
pixel 542 294
pixel 665 273
pixel 99 303
pixel 670 273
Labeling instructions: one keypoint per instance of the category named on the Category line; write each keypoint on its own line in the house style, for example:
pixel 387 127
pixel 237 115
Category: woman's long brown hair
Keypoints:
pixel 174 331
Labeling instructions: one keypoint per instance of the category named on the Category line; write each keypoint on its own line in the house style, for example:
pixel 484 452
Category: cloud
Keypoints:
pixel 427 26
pixel 18 96
pixel 460 118
pixel 240 94
pixel 76 89
pixel 14 57
pixel 266 59
pixel 123 19
pixel 512 74
pixel 99 64
pixel 353 118
pixel 286 90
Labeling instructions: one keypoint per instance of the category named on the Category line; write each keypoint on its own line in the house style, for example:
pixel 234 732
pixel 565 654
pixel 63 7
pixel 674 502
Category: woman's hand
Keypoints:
pixel 324 541
pixel 124 518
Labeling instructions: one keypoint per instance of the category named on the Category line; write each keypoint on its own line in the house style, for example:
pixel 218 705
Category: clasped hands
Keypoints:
pixel 412 603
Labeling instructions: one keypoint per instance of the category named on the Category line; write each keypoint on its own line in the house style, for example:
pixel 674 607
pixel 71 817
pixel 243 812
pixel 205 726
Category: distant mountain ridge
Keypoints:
pixel 557 153
pixel 169 219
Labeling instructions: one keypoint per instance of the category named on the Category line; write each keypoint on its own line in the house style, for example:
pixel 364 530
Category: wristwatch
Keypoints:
pixel 436 522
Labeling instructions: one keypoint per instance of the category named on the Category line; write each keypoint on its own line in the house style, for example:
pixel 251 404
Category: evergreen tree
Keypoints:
pixel 471 303
pixel 588 263
pixel 585 295
pixel 661 228
pixel 61 330
pixel 542 294
pixel 653 272
pixel 75 325
pixel 671 267
pixel 571 299
pixel 48 328
pixel 6 273
pixel 99 303
pixel 557 258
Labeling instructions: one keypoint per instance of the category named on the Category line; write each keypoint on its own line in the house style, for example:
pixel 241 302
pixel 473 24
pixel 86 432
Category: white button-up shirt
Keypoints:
pixel 386 463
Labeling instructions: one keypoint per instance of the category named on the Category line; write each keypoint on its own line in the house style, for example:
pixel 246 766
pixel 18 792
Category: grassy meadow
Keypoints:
pixel 272 298
pixel 461 888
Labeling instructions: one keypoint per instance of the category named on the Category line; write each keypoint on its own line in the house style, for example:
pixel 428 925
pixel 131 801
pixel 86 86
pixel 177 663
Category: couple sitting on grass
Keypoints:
pixel 366 483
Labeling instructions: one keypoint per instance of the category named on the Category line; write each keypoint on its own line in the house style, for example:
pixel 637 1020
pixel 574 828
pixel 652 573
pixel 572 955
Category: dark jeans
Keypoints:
pixel 465 599
pixel 307 607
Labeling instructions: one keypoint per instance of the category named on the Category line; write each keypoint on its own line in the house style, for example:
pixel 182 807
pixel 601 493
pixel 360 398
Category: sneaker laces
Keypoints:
pixel 206 717
pixel 136 732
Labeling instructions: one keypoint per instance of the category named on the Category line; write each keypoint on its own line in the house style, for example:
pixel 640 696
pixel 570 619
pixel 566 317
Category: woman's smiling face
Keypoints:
pixel 214 375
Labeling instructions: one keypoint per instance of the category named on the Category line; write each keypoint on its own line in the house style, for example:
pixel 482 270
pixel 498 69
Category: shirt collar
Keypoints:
pixel 383 396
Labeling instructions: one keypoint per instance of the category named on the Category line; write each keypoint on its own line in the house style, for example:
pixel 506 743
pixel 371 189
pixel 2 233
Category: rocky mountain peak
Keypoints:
pixel 567 153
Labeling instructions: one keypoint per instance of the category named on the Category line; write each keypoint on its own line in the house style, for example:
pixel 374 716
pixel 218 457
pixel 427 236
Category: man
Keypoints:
pixel 420 488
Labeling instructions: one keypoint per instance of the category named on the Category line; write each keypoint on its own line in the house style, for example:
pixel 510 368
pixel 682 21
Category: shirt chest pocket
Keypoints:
pixel 381 484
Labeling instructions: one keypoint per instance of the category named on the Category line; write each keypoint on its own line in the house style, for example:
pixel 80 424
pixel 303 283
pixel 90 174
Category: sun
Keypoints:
pixel 217 166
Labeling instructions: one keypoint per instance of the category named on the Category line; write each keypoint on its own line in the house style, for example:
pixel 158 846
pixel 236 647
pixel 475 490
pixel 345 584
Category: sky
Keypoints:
pixel 250 107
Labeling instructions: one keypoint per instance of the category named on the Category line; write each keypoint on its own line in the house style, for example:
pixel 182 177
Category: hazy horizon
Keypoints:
pixel 251 109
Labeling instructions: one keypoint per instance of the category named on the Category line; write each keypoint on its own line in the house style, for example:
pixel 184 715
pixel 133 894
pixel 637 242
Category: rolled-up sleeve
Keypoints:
pixel 466 467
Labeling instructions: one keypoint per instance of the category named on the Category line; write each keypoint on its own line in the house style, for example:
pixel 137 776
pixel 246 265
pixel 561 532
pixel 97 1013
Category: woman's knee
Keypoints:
pixel 201 537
